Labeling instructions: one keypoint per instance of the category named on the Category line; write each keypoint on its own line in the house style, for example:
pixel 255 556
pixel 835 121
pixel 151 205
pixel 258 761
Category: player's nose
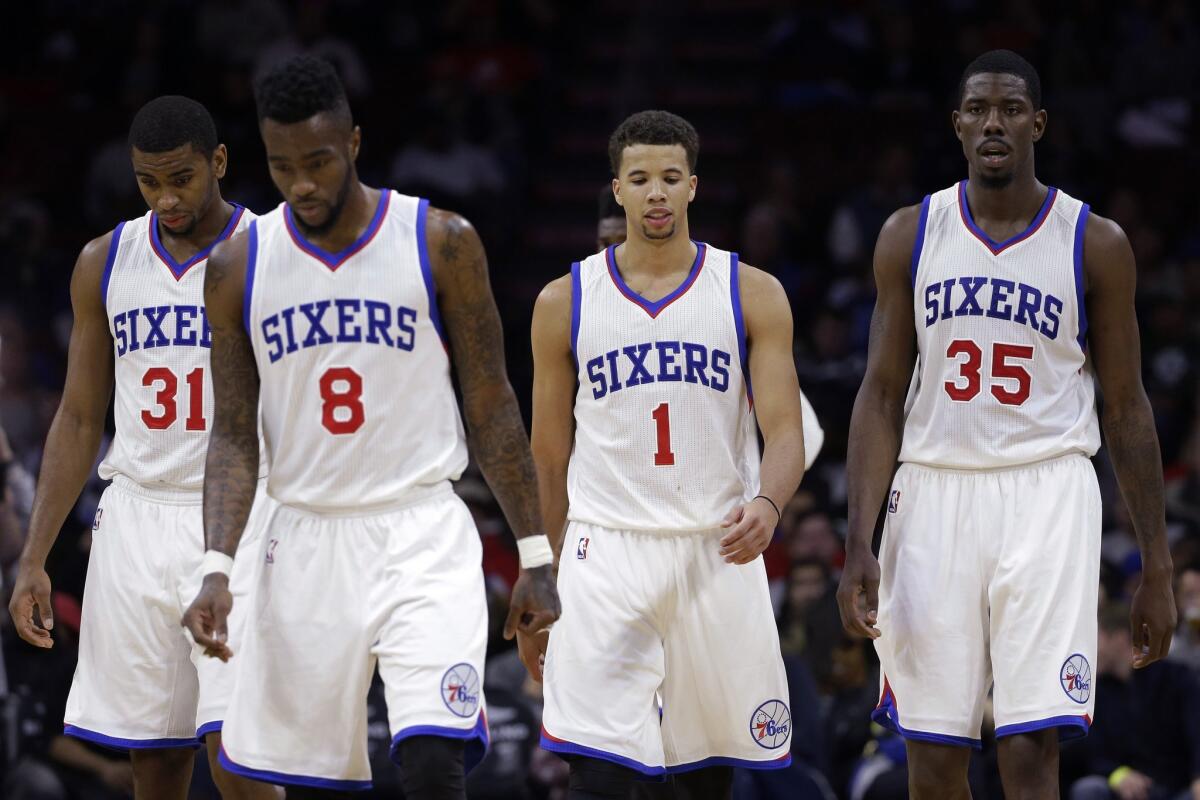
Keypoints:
pixel 993 123
pixel 167 201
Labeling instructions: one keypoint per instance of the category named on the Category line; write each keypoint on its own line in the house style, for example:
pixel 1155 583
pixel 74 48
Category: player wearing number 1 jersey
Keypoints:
pixel 1010 297
pixel 646 443
pixel 141 326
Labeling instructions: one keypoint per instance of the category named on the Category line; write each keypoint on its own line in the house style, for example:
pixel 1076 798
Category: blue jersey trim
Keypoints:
pixel 739 323
pixel 478 740
pixel 435 315
pixel 109 261
pixel 655 307
pixel 209 727
pixel 1070 726
pixel 887 716
pixel 919 242
pixel 998 247
pixel 251 264
pixel 783 762
pixel 564 747
pixel 576 299
pixel 179 270
pixel 1080 230
pixel 335 260
pixel 268 776
pixel 118 743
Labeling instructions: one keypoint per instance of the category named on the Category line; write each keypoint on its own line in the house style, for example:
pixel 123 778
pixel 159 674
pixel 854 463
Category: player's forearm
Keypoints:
pixel 1134 451
pixel 500 445
pixel 552 489
pixel 70 451
pixel 230 480
pixel 782 465
pixel 875 429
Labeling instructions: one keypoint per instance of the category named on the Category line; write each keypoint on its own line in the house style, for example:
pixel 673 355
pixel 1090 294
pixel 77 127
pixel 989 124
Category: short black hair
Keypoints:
pixel 653 127
pixel 172 121
pixel 608 206
pixel 1004 62
pixel 298 89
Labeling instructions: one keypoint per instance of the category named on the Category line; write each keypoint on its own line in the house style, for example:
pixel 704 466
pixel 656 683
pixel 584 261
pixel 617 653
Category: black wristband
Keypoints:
pixel 778 516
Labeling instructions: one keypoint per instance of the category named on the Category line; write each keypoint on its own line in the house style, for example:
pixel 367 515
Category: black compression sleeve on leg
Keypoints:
pixel 711 783
pixel 308 793
pixel 431 768
pixel 596 779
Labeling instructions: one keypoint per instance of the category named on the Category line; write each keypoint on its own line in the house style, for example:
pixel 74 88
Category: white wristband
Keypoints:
pixel 215 561
pixel 535 551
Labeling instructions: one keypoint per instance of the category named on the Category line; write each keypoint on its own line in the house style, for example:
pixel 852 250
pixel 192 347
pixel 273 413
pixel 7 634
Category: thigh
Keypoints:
pixel 134 685
pixel 1044 598
pixel 725 694
pixel 933 617
pixel 432 623
pixel 605 660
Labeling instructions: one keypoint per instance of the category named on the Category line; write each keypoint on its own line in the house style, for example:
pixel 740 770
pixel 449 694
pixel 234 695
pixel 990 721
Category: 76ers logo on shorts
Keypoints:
pixel 771 724
pixel 460 690
pixel 1076 678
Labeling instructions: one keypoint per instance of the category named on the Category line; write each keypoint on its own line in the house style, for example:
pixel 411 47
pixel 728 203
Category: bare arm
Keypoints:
pixel 72 442
pixel 878 418
pixel 553 403
pixel 231 467
pixel 1129 427
pixel 496 431
pixel 778 410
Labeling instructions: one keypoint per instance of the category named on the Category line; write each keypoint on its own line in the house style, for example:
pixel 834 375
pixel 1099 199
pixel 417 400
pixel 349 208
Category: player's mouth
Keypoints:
pixel 659 218
pixel 173 220
pixel 309 209
pixel 994 154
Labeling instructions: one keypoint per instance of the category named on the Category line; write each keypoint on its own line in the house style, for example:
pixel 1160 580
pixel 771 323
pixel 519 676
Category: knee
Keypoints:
pixel 431 768
pixel 937 770
pixel 596 779
pixel 161 761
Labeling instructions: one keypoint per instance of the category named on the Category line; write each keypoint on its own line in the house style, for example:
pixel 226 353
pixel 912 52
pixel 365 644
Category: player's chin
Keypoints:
pixel 658 235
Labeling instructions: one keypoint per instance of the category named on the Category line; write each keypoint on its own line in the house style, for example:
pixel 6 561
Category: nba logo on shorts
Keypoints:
pixel 1076 678
pixel 894 502
pixel 96 521
pixel 460 690
pixel 771 724
pixel 581 548
pixel 271 551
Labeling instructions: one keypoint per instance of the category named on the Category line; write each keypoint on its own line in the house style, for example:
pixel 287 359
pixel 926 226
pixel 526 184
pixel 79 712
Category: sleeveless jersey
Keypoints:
pixel 358 409
pixel 1002 376
pixel 163 406
pixel 665 436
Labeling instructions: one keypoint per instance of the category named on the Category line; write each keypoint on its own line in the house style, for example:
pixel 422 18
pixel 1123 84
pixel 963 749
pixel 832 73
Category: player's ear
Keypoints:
pixel 616 187
pixel 692 181
pixel 220 161
pixel 954 122
pixel 1039 124
pixel 355 142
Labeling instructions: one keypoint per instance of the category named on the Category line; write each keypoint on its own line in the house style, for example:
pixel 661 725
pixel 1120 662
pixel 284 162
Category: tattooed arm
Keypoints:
pixel 496 431
pixel 1129 428
pixel 231 469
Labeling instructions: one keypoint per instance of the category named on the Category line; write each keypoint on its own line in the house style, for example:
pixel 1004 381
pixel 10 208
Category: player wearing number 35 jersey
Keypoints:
pixel 1011 297
pixel 652 360
pixel 344 310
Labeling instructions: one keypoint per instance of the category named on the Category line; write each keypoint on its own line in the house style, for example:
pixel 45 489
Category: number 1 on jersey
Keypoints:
pixel 663 457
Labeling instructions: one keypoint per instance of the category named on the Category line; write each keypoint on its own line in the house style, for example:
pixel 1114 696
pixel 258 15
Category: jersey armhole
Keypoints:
pixel 251 265
pixel 739 324
pixel 576 298
pixel 1080 230
pixel 427 270
pixel 919 243
pixel 109 261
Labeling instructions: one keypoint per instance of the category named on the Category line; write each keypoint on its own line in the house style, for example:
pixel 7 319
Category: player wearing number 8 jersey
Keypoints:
pixel 1010 297
pixel 344 309
pixel 646 444
pixel 141 326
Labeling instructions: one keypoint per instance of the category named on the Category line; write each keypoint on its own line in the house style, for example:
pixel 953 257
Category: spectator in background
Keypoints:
pixel 1185 647
pixel 1145 741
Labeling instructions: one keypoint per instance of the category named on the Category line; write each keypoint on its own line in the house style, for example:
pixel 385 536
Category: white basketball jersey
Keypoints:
pixel 665 437
pixel 358 409
pixel 1002 376
pixel 161 344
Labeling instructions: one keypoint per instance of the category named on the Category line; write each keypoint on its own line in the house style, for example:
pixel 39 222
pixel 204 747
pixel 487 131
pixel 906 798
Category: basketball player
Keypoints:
pixel 644 438
pixel 344 309
pixel 1018 296
pixel 141 325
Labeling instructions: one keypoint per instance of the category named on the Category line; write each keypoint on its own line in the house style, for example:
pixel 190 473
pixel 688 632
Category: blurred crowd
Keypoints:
pixel 817 120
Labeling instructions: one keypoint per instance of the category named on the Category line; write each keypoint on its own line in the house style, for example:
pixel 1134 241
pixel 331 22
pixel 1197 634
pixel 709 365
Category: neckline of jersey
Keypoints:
pixel 179 270
pixel 655 307
pixel 997 248
pixel 335 260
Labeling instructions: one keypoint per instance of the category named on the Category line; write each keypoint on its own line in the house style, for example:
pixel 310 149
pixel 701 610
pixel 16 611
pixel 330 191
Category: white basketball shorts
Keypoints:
pixel 336 595
pixel 989 577
pixel 140 681
pixel 649 613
